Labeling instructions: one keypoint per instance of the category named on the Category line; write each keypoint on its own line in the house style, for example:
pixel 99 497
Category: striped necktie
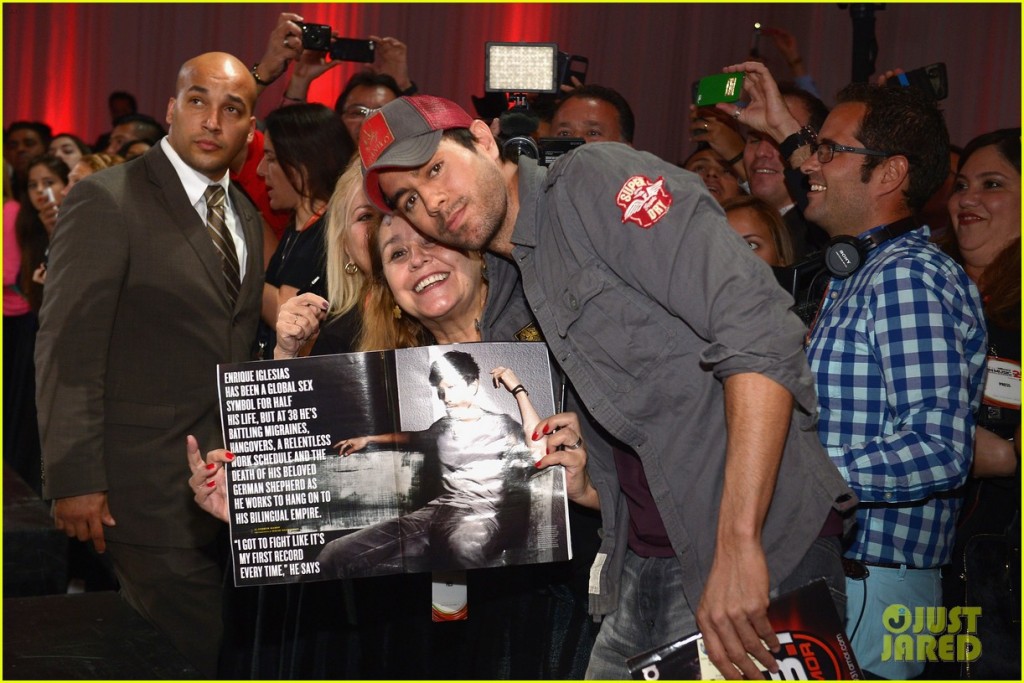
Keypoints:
pixel 218 227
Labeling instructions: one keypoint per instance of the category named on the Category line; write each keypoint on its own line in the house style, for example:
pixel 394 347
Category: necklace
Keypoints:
pixel 292 238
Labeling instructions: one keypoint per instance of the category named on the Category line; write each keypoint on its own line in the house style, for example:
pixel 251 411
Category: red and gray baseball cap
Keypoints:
pixel 404 133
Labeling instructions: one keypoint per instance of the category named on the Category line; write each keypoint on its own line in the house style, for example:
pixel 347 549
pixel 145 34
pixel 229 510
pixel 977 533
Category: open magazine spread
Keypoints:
pixel 814 645
pixel 389 462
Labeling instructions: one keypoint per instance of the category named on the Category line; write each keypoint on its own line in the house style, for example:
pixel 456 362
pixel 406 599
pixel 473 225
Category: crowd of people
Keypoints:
pixel 719 448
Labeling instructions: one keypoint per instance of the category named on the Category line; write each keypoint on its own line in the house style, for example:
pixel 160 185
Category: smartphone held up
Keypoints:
pixel 718 88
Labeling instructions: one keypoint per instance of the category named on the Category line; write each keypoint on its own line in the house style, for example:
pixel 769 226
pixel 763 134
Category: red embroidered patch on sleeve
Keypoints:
pixel 643 201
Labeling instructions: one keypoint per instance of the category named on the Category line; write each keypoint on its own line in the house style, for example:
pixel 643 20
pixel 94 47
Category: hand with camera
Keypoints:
pixel 283 46
pixel 311 65
pixel 392 59
pixel 767 111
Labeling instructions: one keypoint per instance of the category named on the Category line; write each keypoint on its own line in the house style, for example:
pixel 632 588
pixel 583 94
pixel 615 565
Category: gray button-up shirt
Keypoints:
pixel 648 301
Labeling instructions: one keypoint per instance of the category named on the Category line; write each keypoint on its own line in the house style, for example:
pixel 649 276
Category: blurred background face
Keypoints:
pixel 361 215
pixel 748 225
pixel 985 206
pixel 589 118
pixel 121 135
pixel 39 179
pixel 764 164
pixel 136 149
pixel 280 190
pixel 66 150
pixel 21 146
pixel 78 171
pixel 720 181
pixel 361 98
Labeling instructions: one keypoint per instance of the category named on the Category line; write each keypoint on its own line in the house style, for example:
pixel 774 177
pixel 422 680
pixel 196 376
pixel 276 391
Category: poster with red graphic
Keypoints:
pixel 814 645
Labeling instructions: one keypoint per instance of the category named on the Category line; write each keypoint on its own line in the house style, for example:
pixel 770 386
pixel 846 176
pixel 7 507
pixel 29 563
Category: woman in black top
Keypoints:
pixel 305 151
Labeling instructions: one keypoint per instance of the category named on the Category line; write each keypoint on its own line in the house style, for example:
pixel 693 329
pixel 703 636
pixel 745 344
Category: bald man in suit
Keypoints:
pixel 138 311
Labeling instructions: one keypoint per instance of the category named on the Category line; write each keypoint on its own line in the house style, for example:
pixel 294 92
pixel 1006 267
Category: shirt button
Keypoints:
pixel 888 495
pixel 573 304
pixel 833 295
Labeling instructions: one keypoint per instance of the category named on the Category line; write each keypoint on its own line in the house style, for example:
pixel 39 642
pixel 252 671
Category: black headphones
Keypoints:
pixel 844 255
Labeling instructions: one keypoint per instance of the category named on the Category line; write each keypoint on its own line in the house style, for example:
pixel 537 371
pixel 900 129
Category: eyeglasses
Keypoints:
pixel 826 150
pixel 358 112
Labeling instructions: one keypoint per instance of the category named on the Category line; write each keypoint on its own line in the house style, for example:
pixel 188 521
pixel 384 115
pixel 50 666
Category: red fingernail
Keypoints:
pixel 546 429
pixel 536 436
pixel 537 464
pixel 210 466
pixel 228 455
pixel 211 484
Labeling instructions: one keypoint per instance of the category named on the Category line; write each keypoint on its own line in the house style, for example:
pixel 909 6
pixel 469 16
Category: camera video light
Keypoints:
pixel 521 67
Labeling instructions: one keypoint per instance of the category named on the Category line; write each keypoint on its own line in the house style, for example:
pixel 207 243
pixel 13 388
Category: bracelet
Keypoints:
pixel 519 388
pixel 804 136
pixel 256 74
pixel 736 158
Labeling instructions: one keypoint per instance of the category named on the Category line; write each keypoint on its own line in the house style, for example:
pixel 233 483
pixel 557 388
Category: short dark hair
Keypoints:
pixel 627 123
pixel 122 95
pixel 463 363
pixel 464 137
pixel 815 107
pixel 43 130
pixel 1005 140
pixel 365 79
pixel 906 122
pixel 310 140
pixel 145 126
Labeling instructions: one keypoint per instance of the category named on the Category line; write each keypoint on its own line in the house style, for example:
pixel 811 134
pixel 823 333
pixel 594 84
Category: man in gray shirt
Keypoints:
pixel 679 343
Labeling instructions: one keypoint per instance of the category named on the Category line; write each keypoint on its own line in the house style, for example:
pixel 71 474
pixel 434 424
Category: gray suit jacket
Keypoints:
pixel 134 321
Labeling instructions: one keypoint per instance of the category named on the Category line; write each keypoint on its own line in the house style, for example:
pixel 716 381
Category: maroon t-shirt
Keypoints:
pixel 647 535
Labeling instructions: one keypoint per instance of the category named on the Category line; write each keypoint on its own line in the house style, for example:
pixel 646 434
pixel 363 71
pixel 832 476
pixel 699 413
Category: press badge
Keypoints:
pixel 1002 383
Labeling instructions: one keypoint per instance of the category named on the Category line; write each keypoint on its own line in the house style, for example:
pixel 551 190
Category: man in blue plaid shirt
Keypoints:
pixel 897 351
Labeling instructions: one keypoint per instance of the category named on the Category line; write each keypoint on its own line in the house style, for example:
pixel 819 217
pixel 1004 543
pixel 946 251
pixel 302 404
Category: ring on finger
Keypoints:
pixel 736 114
pixel 574 446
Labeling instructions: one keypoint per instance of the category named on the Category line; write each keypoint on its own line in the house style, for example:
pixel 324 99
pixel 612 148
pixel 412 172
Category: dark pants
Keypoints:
pixel 21 430
pixel 180 590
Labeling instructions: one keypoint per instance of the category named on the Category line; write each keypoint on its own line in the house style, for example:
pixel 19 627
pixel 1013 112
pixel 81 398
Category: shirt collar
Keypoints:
pixel 531 180
pixel 194 182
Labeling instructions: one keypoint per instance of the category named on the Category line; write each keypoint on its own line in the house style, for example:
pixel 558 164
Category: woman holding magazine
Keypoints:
pixel 538 613
pixel 419 292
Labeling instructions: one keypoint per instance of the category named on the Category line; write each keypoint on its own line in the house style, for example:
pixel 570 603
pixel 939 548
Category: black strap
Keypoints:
pixel 890 232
